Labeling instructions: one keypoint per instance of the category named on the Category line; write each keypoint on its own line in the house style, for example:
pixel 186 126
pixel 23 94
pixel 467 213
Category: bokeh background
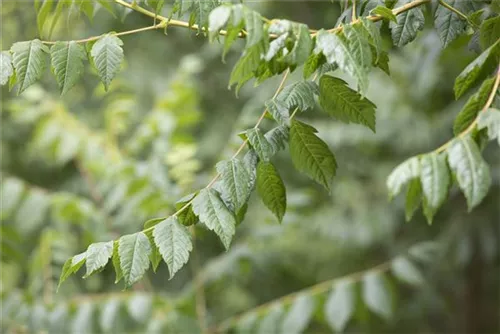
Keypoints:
pixel 90 166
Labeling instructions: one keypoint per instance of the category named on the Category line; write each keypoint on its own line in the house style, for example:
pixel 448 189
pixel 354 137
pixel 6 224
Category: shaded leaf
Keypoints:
pixel 448 24
pixel 490 32
pixel 67 63
pixel 413 198
pixel 271 189
pixel 408 24
pixel 262 147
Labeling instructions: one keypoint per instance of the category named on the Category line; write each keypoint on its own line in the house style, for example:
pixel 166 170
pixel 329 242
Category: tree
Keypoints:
pixel 121 168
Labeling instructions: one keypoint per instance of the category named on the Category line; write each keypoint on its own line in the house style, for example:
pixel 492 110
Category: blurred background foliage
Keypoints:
pixel 91 166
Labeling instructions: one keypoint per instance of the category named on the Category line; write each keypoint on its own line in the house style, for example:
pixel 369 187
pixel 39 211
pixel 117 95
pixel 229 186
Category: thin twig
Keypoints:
pixel 353 11
pixel 456 11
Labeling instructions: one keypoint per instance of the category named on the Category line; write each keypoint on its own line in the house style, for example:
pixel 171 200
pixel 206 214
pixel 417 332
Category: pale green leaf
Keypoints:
pixel 174 243
pixel 71 266
pixel 29 60
pixel 310 155
pixel 6 69
pixel 116 262
pixel 275 46
pixel 44 9
pixel 279 111
pixel 413 198
pixel 408 24
pixel 448 24
pixel 490 119
pixel 260 144
pixel 246 325
pixel 299 315
pixel 404 270
pixel 34 201
pixel 109 313
pixel 107 54
pixel 278 137
pixel 217 19
pixel 271 189
pixel 82 320
pixel 212 212
pixel 98 255
pixel 376 294
pixel 435 180
pixel 236 182
pixel 347 105
pixel 385 12
pixel 340 305
pixel 299 94
pixel 374 38
pixel 471 171
pixel 270 323
pixel 67 63
pixel 402 174
pixel 254 27
pixel 302 46
pixel 246 66
pixel 12 191
pixel 134 250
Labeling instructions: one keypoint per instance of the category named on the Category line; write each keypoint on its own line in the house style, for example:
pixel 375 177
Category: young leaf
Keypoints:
pixel 490 119
pixel 300 94
pixel 67 63
pixel 404 270
pixel 340 305
pixel 448 24
pixel 98 255
pixel 310 155
pixel 413 198
pixel 6 69
pixel 340 101
pixel 212 212
pixel 376 294
pixel 435 179
pixel 174 243
pixel 477 69
pixel 271 189
pixel 217 19
pixel 29 60
pixel 134 250
pixel 262 147
pixel 236 182
pixel 299 315
pixel 107 54
pixel 253 24
pixel 385 12
pixel 490 32
pixel 403 173
pixel 472 172
pixel 408 24
pixel 279 111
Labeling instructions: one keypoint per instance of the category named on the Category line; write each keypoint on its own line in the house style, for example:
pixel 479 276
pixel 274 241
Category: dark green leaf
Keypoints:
pixel 490 32
pixel 260 144
pixel 413 198
pixel 271 189
pixel 246 65
pixel 408 24
pixel 448 24
pixel 313 62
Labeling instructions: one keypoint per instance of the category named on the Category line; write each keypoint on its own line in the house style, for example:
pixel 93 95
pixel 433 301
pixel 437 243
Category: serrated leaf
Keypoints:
pixel 477 69
pixel 413 198
pixel 67 63
pixel 384 12
pixel 134 250
pixel 262 147
pixel 340 305
pixel 217 19
pixel 310 155
pixel 313 62
pixel 107 54
pixel 472 172
pixel 270 323
pixel 345 104
pixel 174 242
pixel 405 271
pixel 212 212
pixel 98 255
pixel 302 46
pixel 472 107
pixel 236 182
pixel 403 173
pixel 250 161
pixel 359 46
pixel 71 266
pixel 271 189
pixel 29 60
pixel 408 24
pixel 299 315
pixel 490 32
pixel 374 38
pixel 254 27
pixel 279 111
pixel 6 69
pixel 350 58
pixel 300 94
pixel 448 24
pixel 435 179
pixel 278 137
pixel 246 65
pixel 376 294
pixel 200 10
pixel 490 119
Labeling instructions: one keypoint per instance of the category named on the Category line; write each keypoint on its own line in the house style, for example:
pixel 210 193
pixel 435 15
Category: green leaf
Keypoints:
pixel 107 54
pixel 448 24
pixel 67 63
pixel 6 69
pixel 299 315
pixel 157 5
pixel 359 47
pixel 98 255
pixel 347 105
pixel 217 19
pixel 71 266
pixel 408 24
pixel 340 305
pixel 384 12
pixel 376 294
pixel 116 262
pixel 234 27
pixel 29 60
pixel 473 106
pixel 187 216
pixel 254 27
pixel 87 7
pixel 200 11
pixel 312 63
pixel 300 94
pixel 472 172
pixel 279 111
pixel 310 155
pixel 270 323
pixel 490 119
pixel 374 38
pixel 246 65
pixel 235 181
pixel 490 32
pixel 174 243
pixel 212 212
pixel 350 58
pixel 278 137
pixel 477 69
pixel 262 147
pixel 302 46
pixel 413 198
pixel 153 222
pixel 404 270
pixel 134 250
pixel 271 189
pixel 403 173
pixel 12 191
pixel 246 325
pixel 435 179
pixel 44 9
